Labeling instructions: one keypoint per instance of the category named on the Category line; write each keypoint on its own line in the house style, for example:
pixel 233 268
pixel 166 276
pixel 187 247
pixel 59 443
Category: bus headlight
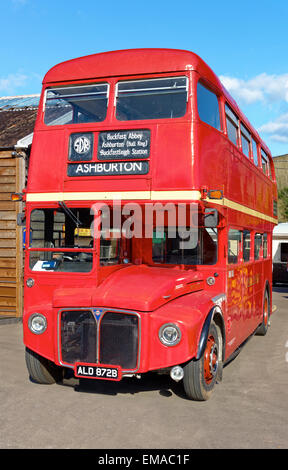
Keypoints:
pixel 169 334
pixel 37 323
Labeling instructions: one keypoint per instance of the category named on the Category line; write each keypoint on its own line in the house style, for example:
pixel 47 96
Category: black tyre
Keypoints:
pixel 263 328
pixel 41 370
pixel 200 375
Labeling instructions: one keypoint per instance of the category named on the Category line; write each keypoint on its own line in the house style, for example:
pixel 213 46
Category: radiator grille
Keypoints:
pixel 112 340
pixel 78 339
pixel 119 340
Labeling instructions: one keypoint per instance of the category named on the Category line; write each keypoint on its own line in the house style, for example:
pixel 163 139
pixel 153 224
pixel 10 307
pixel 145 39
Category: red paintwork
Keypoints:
pixel 185 154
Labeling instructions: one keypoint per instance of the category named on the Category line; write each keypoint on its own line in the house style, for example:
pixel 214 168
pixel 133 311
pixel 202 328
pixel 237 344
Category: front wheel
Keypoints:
pixel 41 370
pixel 200 375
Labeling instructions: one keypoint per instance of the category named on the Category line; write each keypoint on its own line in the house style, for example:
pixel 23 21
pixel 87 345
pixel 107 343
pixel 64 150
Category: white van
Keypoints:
pixel 280 253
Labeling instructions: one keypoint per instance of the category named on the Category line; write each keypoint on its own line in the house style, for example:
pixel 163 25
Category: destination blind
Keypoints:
pixel 108 168
pixel 128 145
pixel 120 145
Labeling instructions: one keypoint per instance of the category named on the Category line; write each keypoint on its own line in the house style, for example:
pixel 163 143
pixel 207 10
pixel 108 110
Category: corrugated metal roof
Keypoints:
pixel 15 124
pixel 16 103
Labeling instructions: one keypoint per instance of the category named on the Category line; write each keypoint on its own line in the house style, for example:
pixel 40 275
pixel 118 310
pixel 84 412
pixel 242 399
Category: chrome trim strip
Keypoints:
pixel 218 299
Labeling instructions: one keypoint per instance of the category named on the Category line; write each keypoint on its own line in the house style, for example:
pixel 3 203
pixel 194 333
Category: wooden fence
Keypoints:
pixel 12 179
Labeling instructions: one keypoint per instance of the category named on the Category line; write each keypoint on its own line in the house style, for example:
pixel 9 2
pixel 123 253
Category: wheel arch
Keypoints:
pixel 268 289
pixel 216 315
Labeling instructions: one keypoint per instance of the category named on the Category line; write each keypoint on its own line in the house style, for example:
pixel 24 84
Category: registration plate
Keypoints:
pixel 91 371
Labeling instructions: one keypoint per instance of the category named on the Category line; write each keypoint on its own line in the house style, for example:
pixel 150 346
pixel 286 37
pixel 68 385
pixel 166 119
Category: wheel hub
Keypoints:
pixel 211 360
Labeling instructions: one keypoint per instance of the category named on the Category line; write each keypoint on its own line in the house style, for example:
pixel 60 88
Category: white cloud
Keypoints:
pixel 10 83
pixel 269 91
pixel 277 129
pixel 263 87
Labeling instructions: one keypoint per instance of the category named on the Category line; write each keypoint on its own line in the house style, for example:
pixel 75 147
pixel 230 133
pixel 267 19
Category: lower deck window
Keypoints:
pixel 258 240
pixel 188 247
pixel 246 245
pixel 234 241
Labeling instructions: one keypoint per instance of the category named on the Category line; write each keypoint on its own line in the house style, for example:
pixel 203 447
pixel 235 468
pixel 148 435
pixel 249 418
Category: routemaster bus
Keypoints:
pixel 150 206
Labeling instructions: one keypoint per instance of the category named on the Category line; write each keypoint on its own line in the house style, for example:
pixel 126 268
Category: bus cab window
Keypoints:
pixel 58 228
pixel 109 247
pixel 199 247
pixel 53 228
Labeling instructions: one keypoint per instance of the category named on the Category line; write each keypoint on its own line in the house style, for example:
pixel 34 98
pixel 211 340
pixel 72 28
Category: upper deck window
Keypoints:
pixel 265 163
pixel 232 125
pixel 255 154
pixel 245 140
pixel 76 104
pixel 208 107
pixel 159 98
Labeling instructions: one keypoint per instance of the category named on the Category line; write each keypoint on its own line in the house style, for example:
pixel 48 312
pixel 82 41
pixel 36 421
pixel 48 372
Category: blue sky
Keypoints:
pixel 245 43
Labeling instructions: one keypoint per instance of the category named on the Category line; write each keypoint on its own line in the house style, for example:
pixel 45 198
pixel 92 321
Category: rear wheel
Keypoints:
pixel 41 370
pixel 200 375
pixel 263 328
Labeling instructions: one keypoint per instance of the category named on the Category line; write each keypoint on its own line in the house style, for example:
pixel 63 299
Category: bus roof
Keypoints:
pixel 127 62
pixel 140 62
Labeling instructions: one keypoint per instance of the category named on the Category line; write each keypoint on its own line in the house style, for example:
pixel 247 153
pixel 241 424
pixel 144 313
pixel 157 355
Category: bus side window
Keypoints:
pixel 234 241
pixel 245 140
pixel 246 245
pixel 265 163
pixel 265 245
pixel 255 153
pixel 232 122
pixel 208 106
pixel 258 245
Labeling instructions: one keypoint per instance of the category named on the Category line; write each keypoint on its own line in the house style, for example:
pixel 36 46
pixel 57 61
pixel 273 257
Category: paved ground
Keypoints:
pixel 248 409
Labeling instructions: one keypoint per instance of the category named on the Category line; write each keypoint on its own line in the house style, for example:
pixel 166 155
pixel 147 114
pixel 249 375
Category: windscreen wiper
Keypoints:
pixel 68 211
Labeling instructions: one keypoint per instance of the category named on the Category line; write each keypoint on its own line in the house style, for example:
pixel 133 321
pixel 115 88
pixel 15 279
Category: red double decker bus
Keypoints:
pixel 150 206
